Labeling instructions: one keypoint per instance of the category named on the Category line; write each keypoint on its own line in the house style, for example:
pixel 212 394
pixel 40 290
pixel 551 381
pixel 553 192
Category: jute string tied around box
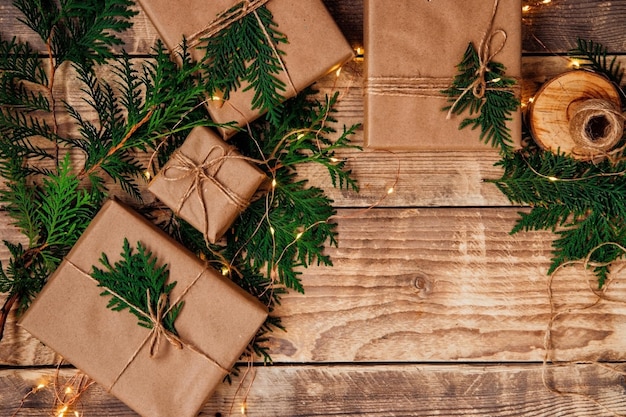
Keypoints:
pixel 206 170
pixel 431 87
pixel 230 16
pixel 155 316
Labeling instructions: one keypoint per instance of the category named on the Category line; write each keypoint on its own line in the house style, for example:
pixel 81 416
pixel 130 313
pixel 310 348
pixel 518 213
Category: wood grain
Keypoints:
pixel 555 27
pixel 431 308
pixel 550 28
pixel 424 285
pixel 375 390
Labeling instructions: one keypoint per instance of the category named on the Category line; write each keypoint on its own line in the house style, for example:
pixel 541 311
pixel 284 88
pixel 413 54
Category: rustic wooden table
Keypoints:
pixel 432 308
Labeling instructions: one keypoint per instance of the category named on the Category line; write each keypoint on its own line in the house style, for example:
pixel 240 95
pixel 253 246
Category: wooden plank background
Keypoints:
pixel 432 308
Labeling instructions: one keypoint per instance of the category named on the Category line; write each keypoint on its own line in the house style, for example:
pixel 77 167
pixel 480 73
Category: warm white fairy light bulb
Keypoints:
pixel 574 63
pixel 61 411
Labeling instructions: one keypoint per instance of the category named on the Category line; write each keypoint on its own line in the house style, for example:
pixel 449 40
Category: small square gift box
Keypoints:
pixel 412 51
pixel 207 183
pixel 168 377
pixel 315 45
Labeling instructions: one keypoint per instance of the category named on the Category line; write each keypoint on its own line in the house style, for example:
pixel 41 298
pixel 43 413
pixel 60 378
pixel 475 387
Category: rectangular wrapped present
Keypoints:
pixel 419 43
pixel 207 183
pixel 216 323
pixel 315 45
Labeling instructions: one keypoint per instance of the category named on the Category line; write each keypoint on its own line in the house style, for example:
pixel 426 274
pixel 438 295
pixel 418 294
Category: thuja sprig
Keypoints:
pixel 288 229
pixel 76 30
pixel 52 216
pixel 49 198
pixel 247 51
pixel 492 109
pixel 584 203
pixel 594 56
pixel 135 276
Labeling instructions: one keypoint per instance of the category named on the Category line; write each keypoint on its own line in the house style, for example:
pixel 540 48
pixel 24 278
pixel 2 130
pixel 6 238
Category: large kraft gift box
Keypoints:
pixel 207 183
pixel 218 319
pixel 315 45
pixel 423 42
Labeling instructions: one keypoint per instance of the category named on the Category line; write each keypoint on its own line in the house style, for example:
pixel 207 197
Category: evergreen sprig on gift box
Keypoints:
pixel 48 192
pixel 491 108
pixel 58 177
pixel 247 51
pixel 140 282
pixel 582 202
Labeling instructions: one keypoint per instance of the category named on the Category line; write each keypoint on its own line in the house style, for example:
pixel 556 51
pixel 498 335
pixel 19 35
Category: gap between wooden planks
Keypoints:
pixel 376 390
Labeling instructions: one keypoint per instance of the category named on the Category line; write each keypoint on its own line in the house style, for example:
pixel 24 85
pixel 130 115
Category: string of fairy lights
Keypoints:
pixel 67 393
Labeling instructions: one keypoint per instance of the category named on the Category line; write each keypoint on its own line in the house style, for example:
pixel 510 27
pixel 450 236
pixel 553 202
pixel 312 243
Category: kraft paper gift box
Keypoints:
pixel 216 323
pixel 207 183
pixel 425 41
pixel 315 45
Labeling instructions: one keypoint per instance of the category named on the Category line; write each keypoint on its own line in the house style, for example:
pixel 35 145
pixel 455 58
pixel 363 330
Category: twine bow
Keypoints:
pixel 485 56
pixel 156 318
pixel 158 329
pixel 207 170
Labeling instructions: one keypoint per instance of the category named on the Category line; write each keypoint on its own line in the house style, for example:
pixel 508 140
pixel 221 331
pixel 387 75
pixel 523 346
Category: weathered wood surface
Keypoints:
pixel 377 390
pixel 432 308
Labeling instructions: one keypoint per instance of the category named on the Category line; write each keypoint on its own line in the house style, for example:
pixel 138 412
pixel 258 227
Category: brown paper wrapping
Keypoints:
pixel 238 175
pixel 71 317
pixel 316 45
pixel 427 39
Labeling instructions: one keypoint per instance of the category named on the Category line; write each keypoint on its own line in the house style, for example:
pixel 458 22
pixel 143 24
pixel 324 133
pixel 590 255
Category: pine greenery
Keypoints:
pixel 50 199
pixel 288 227
pixel 594 56
pixel 56 177
pixel 582 203
pixel 133 277
pixel 243 53
pixel 491 112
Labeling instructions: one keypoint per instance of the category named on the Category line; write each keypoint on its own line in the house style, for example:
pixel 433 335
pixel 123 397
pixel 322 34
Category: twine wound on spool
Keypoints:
pixel 577 113
pixel 596 126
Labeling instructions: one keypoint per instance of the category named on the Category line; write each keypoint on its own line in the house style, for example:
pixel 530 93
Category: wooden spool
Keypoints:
pixel 577 113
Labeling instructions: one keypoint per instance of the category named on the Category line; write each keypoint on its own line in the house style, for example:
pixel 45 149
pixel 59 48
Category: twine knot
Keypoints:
pixel 206 170
pixel 485 56
pixel 158 329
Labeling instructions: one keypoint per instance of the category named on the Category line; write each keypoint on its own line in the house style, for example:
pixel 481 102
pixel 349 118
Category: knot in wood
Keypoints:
pixel 423 285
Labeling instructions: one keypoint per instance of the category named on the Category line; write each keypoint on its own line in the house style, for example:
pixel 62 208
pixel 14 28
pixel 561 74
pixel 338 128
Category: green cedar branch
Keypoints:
pixel 493 110
pixel 132 278
pixel 584 203
pixel 247 51
pixel 51 207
